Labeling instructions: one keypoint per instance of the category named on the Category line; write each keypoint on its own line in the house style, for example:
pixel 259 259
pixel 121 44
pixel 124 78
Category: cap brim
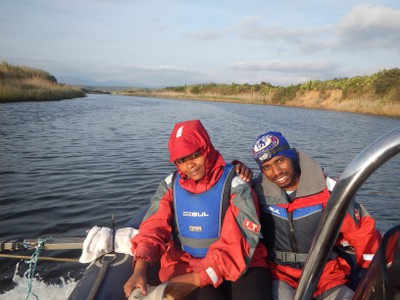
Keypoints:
pixel 181 150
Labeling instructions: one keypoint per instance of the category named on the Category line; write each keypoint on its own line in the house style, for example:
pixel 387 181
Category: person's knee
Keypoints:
pixel 281 290
pixel 342 292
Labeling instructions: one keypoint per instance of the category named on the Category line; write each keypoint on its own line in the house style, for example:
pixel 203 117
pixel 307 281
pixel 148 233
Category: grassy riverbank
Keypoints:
pixel 27 84
pixel 377 94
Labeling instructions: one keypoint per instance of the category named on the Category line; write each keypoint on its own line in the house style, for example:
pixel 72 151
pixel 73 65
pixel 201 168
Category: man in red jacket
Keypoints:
pixel 293 192
pixel 203 224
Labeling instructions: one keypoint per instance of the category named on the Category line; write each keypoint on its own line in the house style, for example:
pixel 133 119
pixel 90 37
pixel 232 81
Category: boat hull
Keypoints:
pixel 111 287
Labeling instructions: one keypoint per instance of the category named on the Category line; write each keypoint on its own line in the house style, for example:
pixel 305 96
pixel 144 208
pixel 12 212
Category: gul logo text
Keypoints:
pixel 196 214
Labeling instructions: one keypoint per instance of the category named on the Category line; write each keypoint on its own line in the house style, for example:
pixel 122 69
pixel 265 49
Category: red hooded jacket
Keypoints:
pixel 238 247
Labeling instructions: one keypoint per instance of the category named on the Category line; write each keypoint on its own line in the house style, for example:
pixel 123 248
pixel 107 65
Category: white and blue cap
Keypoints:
pixel 271 144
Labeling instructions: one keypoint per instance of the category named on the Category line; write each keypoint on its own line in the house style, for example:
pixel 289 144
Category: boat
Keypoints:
pixel 105 277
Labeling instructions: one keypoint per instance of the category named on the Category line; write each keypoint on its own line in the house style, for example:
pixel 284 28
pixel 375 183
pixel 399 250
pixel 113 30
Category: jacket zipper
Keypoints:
pixel 291 231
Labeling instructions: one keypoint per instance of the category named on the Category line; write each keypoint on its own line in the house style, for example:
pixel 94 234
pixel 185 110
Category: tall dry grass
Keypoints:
pixel 27 84
pixel 330 100
pixel 363 106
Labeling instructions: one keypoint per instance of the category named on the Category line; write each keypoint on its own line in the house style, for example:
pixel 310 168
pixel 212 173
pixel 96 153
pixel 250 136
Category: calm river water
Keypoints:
pixel 68 165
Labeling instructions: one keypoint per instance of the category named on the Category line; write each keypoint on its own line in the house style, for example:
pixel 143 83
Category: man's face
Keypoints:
pixel 193 165
pixel 280 170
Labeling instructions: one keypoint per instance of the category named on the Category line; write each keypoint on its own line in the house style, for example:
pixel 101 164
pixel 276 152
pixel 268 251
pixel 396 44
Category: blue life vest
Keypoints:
pixel 199 217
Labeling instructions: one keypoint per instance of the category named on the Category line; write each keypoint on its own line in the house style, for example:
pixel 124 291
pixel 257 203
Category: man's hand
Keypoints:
pixel 245 173
pixel 138 279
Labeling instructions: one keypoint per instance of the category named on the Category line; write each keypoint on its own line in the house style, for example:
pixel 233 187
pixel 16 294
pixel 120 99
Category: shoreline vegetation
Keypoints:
pixel 376 94
pixel 20 83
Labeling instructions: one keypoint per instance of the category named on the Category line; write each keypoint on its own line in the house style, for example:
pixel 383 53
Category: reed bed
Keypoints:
pixel 363 106
pixel 28 84
pixel 329 100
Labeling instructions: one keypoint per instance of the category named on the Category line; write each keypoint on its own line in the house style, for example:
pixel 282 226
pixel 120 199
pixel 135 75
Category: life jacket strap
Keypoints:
pixel 196 243
pixel 291 257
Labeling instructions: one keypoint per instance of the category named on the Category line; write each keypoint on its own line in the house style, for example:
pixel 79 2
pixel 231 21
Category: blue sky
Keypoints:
pixel 176 42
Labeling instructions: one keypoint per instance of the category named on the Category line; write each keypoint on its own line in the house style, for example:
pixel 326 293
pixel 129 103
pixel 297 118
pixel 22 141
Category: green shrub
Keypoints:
pixel 179 89
pixel 394 94
pixel 195 90
pixel 387 81
pixel 285 94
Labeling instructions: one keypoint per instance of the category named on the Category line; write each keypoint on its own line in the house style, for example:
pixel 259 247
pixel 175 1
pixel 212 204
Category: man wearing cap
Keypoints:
pixel 203 224
pixel 293 191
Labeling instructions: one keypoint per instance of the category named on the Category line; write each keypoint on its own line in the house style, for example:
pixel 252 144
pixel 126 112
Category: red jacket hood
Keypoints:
pixel 188 137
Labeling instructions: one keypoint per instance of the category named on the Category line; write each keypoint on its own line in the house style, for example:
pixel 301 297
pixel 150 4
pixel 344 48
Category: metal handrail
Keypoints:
pixel 356 173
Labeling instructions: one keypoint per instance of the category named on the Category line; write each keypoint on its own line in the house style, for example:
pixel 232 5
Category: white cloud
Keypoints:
pixel 364 26
pixel 154 75
pixel 253 28
pixel 369 26
pixel 282 66
pixel 161 68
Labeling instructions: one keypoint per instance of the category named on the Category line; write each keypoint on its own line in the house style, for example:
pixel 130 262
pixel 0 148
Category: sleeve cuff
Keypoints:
pixel 208 275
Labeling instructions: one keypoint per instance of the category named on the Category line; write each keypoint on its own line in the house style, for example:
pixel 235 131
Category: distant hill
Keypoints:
pixel 89 82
